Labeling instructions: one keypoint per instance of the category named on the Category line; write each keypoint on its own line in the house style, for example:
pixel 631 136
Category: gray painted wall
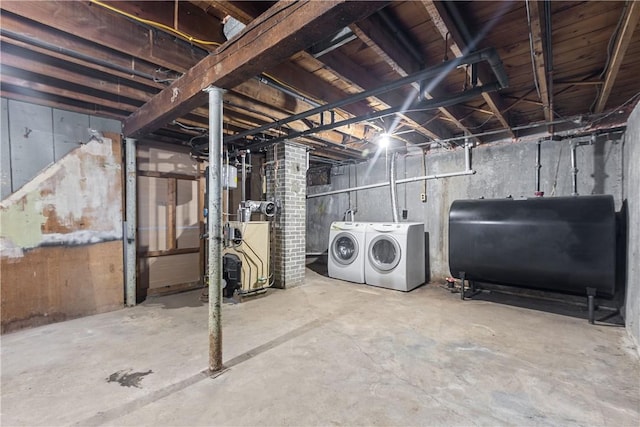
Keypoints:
pixel 502 170
pixel 632 197
pixel 33 137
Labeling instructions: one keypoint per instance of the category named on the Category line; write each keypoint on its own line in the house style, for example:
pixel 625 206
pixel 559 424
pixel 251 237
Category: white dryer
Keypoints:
pixel 347 251
pixel 395 255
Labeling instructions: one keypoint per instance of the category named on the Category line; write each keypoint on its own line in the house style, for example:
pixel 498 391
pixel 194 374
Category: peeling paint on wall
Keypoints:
pixel 77 200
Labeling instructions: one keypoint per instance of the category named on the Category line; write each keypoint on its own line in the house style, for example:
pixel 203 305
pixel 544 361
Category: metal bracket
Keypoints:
pixel 591 293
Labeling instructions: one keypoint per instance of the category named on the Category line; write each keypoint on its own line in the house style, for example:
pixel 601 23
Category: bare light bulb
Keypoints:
pixel 383 140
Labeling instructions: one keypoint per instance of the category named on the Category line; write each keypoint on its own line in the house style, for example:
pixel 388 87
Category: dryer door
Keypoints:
pixel 344 248
pixel 384 253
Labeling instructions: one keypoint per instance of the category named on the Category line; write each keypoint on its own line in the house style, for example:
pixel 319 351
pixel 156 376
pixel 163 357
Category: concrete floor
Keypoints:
pixel 326 353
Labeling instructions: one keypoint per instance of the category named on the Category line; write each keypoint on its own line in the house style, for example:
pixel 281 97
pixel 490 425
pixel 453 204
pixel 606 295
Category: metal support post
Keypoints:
pixel 214 228
pixel 131 222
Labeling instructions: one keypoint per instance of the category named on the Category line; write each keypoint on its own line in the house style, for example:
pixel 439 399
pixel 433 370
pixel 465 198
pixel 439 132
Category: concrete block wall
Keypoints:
pixel 286 182
pixel 631 193
pixel 503 169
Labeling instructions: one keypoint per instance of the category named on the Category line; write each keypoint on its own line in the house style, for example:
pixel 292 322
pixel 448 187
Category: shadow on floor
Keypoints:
pixel 177 300
pixel 566 305
pixel 318 264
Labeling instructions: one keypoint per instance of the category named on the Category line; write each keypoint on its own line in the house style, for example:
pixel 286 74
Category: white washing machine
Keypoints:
pixel 347 251
pixel 395 255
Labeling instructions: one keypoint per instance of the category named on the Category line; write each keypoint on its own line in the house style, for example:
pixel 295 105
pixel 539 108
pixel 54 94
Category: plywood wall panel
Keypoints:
pixel 173 270
pixel 187 223
pixel 162 158
pixel 57 283
pixel 152 214
pixel 61 239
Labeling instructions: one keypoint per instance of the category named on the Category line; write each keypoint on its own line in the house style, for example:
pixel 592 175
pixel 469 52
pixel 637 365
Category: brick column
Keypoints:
pixel 287 183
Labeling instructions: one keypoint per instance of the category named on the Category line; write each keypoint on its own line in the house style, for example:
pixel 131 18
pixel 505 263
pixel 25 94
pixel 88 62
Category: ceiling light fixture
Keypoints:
pixel 384 139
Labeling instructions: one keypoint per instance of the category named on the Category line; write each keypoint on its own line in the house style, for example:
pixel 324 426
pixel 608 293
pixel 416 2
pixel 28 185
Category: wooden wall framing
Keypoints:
pixel 170 221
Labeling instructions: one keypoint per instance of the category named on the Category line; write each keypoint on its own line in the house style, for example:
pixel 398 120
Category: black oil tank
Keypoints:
pixel 563 244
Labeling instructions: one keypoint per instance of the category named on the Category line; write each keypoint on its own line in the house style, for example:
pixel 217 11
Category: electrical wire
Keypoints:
pixel 183 126
pixel 615 110
pixel 155 24
pixel 491 117
pixel 555 178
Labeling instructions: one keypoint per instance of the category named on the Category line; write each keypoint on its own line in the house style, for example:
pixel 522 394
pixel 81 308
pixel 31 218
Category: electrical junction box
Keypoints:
pixel 229 176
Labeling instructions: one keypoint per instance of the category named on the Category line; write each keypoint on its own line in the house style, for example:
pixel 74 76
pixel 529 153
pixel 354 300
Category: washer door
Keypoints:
pixel 344 248
pixel 384 253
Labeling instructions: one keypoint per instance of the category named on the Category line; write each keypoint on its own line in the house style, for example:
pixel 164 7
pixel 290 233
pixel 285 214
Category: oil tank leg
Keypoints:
pixel 462 279
pixel 591 293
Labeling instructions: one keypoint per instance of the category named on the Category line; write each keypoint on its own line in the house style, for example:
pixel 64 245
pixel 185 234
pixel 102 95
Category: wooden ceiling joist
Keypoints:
pixel 92 23
pixel 402 63
pixel 47 37
pixel 284 29
pixel 295 76
pixel 629 24
pixel 444 24
pixel 126 55
pixel 359 77
pixel 536 9
pixel 45 68
pixel 65 93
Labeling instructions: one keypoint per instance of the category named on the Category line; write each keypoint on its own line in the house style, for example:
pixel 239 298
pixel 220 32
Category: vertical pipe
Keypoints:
pixel 227 211
pixel 574 169
pixel 392 187
pixel 243 156
pixel 131 219
pixel 538 166
pixel 467 156
pixel 214 228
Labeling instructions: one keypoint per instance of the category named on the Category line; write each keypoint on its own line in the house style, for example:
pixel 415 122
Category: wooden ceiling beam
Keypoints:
pixel 270 39
pixel 629 24
pixel 294 76
pixel 44 68
pixel 539 35
pixel 90 22
pixel 120 75
pixel 20 27
pixel 446 28
pixel 191 20
pixel 65 93
pixel 371 32
pixel 231 9
pixel 301 80
pixel 306 82
pixel 125 55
